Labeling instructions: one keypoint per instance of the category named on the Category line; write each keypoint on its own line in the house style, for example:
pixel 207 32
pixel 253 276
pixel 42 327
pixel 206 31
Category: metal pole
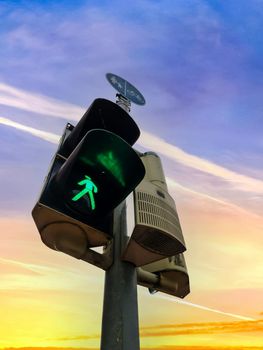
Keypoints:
pixel 120 327
pixel 123 102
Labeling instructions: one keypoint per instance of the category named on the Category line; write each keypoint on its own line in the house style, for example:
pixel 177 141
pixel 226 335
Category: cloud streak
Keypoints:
pixel 164 347
pixel 54 138
pixel 174 329
pixel 38 269
pixel 202 328
pixel 194 347
pixel 44 135
pixel 240 181
pixel 78 337
pixel 37 103
pixel 174 184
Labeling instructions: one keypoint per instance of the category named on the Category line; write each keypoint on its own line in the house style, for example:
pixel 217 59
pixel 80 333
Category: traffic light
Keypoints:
pixel 167 275
pixel 157 231
pixel 93 171
pixel 98 175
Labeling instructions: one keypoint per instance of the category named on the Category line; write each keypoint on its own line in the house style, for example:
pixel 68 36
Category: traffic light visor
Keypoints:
pixel 102 114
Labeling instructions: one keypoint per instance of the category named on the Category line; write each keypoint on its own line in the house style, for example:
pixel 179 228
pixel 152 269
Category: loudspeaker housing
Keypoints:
pixel 157 231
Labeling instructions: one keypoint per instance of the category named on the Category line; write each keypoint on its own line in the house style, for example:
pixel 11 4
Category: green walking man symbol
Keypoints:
pixel 90 187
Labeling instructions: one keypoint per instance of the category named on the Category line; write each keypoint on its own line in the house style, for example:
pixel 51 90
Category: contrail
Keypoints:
pixel 180 301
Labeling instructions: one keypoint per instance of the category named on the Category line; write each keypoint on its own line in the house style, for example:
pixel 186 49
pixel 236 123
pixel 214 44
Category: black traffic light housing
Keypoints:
pixel 94 169
pixel 102 114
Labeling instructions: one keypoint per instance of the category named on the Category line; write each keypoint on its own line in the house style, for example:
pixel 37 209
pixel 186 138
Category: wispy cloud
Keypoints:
pixel 193 347
pixel 53 138
pixel 18 98
pixel 240 181
pixel 61 348
pixel 44 135
pixel 77 337
pixel 160 347
pixel 39 269
pixel 174 329
pixel 174 184
pixel 165 330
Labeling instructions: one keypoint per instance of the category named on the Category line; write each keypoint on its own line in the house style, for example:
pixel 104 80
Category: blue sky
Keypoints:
pixel 199 66
pixel 197 63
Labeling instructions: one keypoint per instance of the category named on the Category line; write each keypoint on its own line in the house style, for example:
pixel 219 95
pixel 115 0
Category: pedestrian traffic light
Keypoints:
pixel 93 171
pixel 99 174
pixel 156 231
pixel 167 275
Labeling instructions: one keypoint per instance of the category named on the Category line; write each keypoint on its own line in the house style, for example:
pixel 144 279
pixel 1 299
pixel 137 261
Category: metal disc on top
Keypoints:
pixel 126 89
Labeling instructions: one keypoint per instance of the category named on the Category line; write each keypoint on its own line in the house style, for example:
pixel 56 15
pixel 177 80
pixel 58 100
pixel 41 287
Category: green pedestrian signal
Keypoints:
pixel 114 169
pixel 90 187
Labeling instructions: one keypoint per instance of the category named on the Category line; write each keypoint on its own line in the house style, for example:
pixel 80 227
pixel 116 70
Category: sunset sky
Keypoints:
pixel 199 66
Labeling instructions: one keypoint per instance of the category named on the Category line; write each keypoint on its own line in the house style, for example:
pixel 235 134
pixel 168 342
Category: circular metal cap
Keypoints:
pixel 126 89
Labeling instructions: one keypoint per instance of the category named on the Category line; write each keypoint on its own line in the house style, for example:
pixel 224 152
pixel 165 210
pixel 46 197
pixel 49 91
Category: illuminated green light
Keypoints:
pixel 113 165
pixel 90 187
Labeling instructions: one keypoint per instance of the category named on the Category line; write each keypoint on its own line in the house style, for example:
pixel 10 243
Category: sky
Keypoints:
pixel 199 67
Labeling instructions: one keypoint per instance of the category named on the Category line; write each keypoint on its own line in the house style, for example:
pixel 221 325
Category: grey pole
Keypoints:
pixel 120 328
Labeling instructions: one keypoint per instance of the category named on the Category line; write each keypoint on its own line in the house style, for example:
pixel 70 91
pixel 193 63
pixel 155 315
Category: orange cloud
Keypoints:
pixel 78 337
pixel 165 347
pixel 174 330
pixel 202 328
pixel 185 329
pixel 15 267
pixel 48 348
pixel 175 347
